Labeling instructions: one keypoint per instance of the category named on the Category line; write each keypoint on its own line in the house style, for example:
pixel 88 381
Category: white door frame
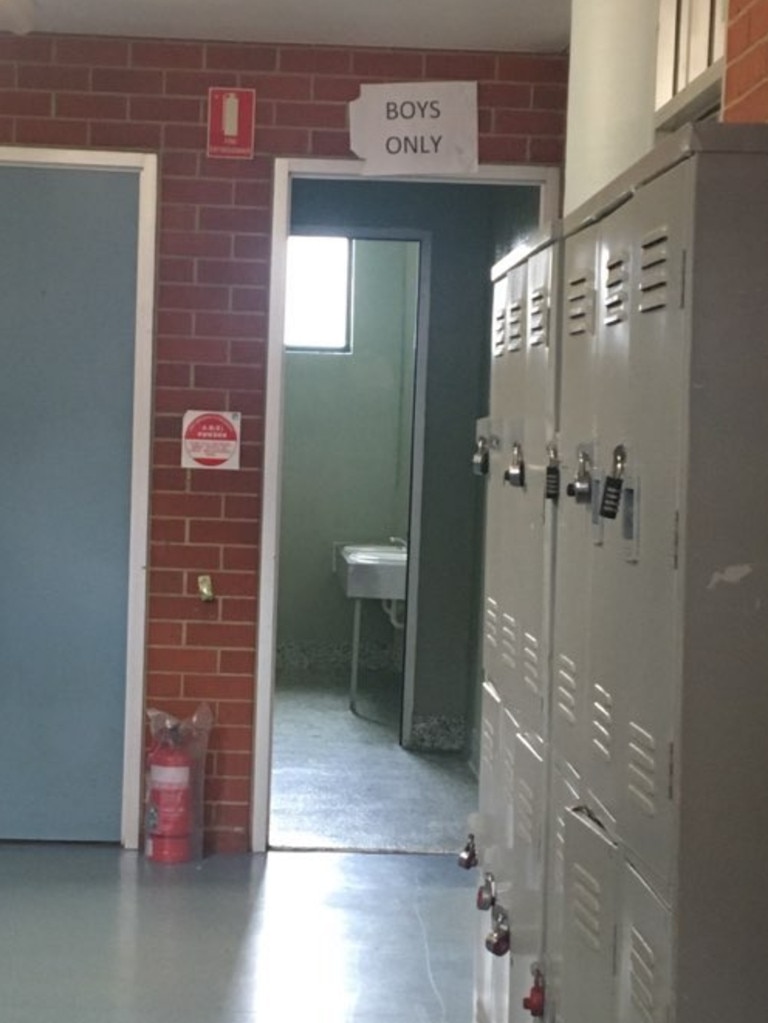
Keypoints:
pixel 145 165
pixel 548 180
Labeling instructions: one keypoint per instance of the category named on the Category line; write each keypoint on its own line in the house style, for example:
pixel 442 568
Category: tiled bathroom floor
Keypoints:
pixel 341 780
pixel 96 935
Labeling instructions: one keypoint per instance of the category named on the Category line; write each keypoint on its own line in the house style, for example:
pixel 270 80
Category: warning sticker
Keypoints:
pixel 210 440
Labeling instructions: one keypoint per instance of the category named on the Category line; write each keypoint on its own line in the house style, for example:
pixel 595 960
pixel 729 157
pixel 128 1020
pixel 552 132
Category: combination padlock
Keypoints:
pixel 515 473
pixel 611 497
pixel 486 893
pixel 580 488
pixel 498 940
pixel 552 476
pixel 481 457
pixel 468 855
pixel 534 1001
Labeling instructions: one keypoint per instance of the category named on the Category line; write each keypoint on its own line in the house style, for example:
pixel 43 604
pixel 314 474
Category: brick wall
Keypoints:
pixel 746 78
pixel 211 319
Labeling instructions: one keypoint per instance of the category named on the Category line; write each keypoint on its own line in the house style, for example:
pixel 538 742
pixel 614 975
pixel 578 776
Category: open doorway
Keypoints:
pixel 460 232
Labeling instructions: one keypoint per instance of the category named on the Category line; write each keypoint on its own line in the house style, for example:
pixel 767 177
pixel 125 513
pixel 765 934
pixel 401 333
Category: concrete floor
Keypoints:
pixel 97 935
pixel 342 781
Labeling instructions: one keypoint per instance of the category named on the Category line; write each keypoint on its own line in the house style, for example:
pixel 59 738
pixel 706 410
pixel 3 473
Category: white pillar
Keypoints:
pixel 611 92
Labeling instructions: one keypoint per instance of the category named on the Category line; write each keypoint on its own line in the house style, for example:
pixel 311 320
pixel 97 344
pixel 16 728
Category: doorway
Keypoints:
pixel 466 228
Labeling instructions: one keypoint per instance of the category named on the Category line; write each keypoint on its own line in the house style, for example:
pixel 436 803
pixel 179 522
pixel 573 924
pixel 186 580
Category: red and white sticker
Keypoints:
pixel 210 440
pixel 231 123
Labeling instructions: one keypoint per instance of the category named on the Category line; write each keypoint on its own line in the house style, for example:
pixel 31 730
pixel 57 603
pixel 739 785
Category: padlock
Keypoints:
pixel 468 855
pixel 486 893
pixel 481 459
pixel 552 477
pixel 515 473
pixel 498 939
pixel 611 499
pixel 581 486
pixel 534 1002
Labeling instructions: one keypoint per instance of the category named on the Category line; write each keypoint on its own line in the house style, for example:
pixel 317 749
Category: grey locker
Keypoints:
pixel 487 464
pixel 645 953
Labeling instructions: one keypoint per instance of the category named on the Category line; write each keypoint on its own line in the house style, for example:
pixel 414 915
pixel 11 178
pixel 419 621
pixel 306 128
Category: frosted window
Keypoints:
pixel 317 293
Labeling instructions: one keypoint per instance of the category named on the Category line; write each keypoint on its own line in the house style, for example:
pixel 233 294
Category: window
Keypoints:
pixel 317 294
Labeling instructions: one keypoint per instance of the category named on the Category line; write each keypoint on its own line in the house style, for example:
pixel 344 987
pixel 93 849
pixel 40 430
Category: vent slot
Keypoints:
pixel 602 723
pixel 531 674
pixel 642 978
pixel 491 622
pixel 642 770
pixel 509 641
pixel 587 906
pixel 581 305
pixel 654 271
pixel 498 333
pixel 616 290
pixel 525 812
pixel 538 317
pixel 566 689
pixel 514 326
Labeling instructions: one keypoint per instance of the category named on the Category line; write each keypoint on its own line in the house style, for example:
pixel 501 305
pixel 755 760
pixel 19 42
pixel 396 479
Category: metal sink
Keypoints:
pixel 371 570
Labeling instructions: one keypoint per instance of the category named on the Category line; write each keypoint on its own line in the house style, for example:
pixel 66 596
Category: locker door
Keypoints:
pixel 487 446
pixel 651 668
pixel 644 953
pixel 612 577
pixel 591 876
pixel 564 795
pixel 527 889
pixel 486 826
pixel 575 529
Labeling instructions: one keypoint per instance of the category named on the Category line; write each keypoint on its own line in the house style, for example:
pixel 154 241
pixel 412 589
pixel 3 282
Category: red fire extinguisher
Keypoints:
pixel 169 821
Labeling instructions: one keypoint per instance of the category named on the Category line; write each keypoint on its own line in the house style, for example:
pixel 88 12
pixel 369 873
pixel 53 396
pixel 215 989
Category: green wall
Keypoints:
pixel 346 461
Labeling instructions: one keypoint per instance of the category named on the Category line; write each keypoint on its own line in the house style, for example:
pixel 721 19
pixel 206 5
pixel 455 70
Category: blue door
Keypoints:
pixel 68 251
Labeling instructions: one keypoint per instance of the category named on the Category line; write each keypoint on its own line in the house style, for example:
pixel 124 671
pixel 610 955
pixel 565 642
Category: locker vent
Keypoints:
pixel 507 796
pixel 498 333
pixel 509 641
pixel 487 759
pixel 642 978
pixel 538 317
pixel 642 770
pixel 581 305
pixel 616 283
pixel 587 906
pixel 525 812
pixel 654 271
pixel 515 325
pixel 531 675
pixel 566 688
pixel 491 623
pixel 602 722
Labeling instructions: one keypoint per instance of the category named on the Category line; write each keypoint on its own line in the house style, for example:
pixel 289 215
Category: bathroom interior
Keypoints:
pixel 375 744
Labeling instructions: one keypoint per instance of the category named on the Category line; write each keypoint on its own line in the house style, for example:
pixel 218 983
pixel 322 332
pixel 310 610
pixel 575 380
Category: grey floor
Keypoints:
pixel 97 935
pixel 342 781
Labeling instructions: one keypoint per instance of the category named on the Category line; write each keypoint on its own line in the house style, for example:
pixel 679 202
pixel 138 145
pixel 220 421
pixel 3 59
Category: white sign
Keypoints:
pixel 210 440
pixel 415 128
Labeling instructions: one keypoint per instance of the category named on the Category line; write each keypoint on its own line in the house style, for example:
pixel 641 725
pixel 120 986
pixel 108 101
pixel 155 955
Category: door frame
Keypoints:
pixel 145 166
pixel 286 169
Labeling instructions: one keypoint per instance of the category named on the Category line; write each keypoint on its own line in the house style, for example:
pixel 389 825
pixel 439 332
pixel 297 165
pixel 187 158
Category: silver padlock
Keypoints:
pixel 468 855
pixel 481 458
pixel 580 488
pixel 515 473
pixel 486 893
pixel 498 939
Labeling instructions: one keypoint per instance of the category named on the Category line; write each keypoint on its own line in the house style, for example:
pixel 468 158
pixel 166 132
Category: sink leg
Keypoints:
pixel 355 655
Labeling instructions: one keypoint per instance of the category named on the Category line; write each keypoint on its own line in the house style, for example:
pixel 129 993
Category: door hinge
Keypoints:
pixel 671 773
pixel 676 542
pixel 683 265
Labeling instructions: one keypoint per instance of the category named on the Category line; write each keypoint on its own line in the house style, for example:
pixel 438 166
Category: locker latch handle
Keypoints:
pixel 515 472
pixel 580 488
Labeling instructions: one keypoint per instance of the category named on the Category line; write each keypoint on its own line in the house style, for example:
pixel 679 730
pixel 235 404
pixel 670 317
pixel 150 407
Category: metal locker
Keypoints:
pixel 590 914
pixel 485 825
pixel 645 951
pixel 499 331
pixel 576 529
pixel 486 464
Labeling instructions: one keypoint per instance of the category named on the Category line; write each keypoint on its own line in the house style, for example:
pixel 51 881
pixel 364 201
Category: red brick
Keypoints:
pixel 178 217
pixel 32 49
pixel 169 479
pixel 164 634
pixel 238 507
pixel 460 66
pixel 185 136
pixel 315 59
pixel 231 738
pixel 166 109
pixel 227 842
pixel 175 349
pixel 193 296
pixel 242 219
pixel 229 324
pixel 25 103
pixel 161 581
pixel 529 122
pixel 220 687
pixel 550 97
pixel 179 400
pixel 239 610
pixel 246 353
pixel 257 168
pixel 126 80
pixel 231 790
pixel 529 67
pixel 185 609
pixel 46 76
pixel 7 129
pixel 504 94
pixel 180 164
pixel 252 247
pixel 7 76
pixel 92 51
pixel 749 109
pixel 501 149
pixel 746 72
pixel 338 90
pixel 283 141
pixel 162 686
pixel 173 374
pixel 51 133
pixel 219 271
pixel 388 64
pixel 250 403
pixel 311 115
pixel 196 83
pixel 238 662
pixel 240 558
pixel 330 143
pixel 174 322
pixel 200 506
pixel 236 583
pixel 222 532
pixel 239 57
pixel 232 815
pixel 193 243
pixel 166 55
pixel 181 659
pixel 233 765
pixel 547 150
pixel 249 300
pixel 243 482
pixel 166 452
pixel 178 555
pixel 229 377
pixel 126 136
pixel 168 530
pixel 89 107
pixel 285 87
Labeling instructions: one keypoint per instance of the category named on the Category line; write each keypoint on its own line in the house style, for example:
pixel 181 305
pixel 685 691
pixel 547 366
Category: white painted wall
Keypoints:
pixel 611 92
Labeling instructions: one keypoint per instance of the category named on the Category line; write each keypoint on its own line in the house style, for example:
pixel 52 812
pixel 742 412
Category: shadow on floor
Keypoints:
pixel 342 781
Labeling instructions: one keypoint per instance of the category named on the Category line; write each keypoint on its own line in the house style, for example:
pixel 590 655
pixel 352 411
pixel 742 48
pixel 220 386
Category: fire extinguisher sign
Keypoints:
pixel 231 118
pixel 210 440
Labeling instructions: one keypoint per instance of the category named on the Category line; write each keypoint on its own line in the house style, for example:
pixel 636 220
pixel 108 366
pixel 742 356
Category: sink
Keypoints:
pixel 371 570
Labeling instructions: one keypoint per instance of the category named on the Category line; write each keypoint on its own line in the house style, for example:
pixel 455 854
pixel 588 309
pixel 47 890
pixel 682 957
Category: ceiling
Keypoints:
pixel 424 24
